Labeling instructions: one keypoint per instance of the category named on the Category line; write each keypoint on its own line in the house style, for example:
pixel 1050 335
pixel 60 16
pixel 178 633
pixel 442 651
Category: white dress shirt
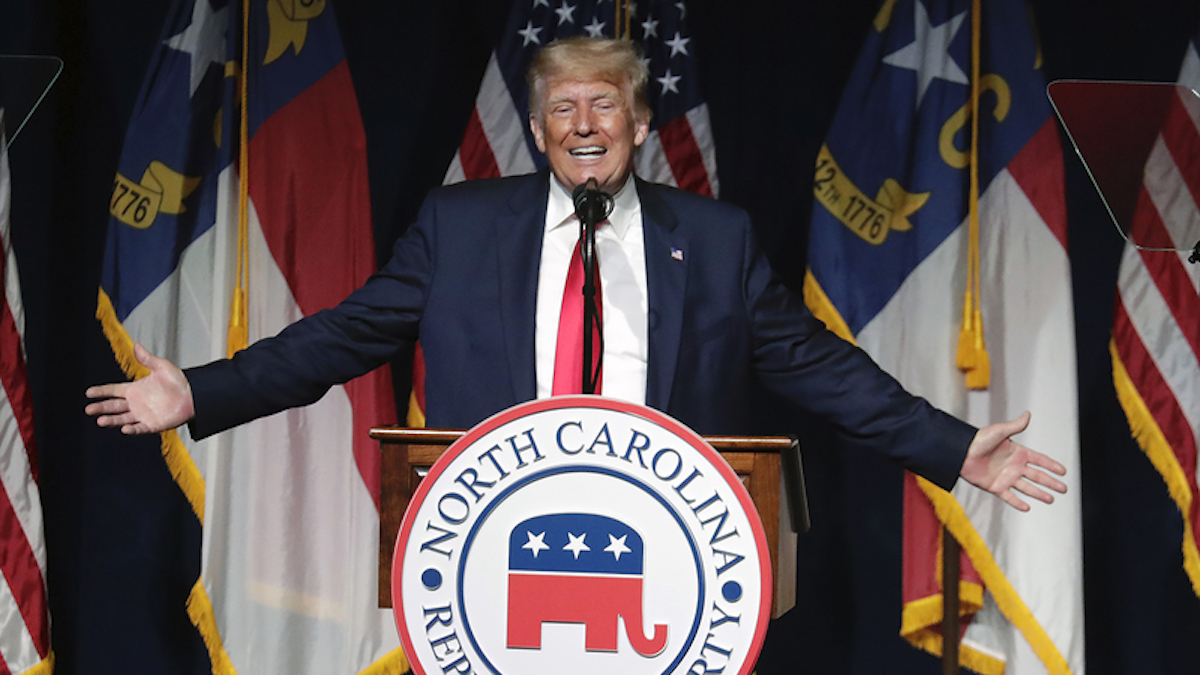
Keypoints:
pixel 621 254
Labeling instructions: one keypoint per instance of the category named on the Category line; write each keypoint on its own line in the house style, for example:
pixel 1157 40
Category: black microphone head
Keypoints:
pixel 592 204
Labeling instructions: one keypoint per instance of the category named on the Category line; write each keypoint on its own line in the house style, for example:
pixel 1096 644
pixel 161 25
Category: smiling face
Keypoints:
pixel 587 129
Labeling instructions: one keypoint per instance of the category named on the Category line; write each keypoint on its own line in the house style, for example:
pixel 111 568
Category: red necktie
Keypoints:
pixel 568 356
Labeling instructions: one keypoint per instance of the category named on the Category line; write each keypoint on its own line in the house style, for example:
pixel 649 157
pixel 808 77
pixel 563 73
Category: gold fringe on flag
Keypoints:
pixel 200 611
pixel 972 357
pixel 43 667
pixel 1150 438
pixel 392 663
pixel 1008 601
pixel 179 462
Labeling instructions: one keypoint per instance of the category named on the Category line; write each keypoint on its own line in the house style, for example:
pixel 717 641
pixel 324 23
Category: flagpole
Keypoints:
pixel 950 623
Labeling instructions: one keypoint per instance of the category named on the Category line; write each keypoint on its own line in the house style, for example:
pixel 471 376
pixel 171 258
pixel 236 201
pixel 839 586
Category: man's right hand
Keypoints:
pixel 162 400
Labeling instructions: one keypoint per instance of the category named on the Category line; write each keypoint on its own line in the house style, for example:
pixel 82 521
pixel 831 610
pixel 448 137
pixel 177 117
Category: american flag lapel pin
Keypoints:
pixel 677 253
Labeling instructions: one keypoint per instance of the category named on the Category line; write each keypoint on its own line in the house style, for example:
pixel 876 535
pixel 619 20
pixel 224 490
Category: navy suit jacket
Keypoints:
pixel 464 278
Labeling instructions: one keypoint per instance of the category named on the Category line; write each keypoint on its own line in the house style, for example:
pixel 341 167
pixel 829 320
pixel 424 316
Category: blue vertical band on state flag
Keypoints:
pixel 903 118
pixel 177 143
pixel 659 27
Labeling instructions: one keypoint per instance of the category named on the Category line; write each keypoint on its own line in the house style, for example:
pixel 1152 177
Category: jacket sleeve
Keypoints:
pixel 797 357
pixel 329 347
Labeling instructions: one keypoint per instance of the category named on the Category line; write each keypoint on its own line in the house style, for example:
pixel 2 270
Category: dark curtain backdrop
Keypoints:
pixel 122 542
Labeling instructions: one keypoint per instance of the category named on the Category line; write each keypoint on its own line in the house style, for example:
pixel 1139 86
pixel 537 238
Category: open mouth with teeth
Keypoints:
pixel 589 151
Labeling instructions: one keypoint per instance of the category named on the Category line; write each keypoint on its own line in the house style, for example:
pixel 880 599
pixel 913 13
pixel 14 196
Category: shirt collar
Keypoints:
pixel 561 209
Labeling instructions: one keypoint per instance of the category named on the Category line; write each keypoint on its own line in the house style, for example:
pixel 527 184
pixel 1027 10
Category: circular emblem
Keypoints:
pixel 585 535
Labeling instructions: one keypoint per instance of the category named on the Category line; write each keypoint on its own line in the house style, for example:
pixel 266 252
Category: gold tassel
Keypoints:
pixel 972 357
pixel 239 318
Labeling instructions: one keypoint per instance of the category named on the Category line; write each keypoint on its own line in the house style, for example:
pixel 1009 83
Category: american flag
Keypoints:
pixel 25 626
pixel 1156 333
pixel 497 141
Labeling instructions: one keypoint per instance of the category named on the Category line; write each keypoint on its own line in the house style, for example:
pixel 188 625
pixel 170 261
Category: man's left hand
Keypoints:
pixel 1004 467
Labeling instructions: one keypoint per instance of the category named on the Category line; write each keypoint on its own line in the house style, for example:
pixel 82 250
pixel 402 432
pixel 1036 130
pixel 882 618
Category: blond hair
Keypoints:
pixel 585 58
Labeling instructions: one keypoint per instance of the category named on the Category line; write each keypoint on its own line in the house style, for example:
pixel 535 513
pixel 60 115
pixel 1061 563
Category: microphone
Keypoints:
pixel 592 204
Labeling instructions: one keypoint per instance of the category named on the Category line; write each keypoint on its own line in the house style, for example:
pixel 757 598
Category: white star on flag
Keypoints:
pixel 565 13
pixel 203 39
pixel 530 33
pixel 650 28
pixel 682 10
pixel 595 28
pixel 617 546
pixel 678 44
pixel 668 82
pixel 535 543
pixel 543 3
pixel 576 544
pixel 928 55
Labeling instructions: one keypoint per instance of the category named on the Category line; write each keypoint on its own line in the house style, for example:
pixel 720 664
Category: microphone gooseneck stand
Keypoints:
pixel 592 205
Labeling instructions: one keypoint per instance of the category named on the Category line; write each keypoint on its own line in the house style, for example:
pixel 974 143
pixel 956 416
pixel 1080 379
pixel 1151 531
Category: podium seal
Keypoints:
pixel 585 535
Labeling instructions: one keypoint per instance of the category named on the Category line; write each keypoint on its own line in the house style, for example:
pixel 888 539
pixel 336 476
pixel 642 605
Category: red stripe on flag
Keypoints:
pixel 309 182
pixel 683 154
pixel 1167 270
pixel 23 575
pixel 1182 139
pixel 1153 389
pixel 1037 169
pixel 478 160
pixel 15 382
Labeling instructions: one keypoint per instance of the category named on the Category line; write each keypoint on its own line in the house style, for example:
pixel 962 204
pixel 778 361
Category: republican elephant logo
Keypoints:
pixel 578 568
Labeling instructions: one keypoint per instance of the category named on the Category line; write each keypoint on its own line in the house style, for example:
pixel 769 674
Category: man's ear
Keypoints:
pixel 641 130
pixel 539 134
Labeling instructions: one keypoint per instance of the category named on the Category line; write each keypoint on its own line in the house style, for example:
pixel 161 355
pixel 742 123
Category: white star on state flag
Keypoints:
pixel 535 543
pixel 678 44
pixel 617 546
pixel 595 28
pixel 650 28
pixel 530 33
pixel 929 53
pixel 203 39
pixel 576 544
pixel 565 13
pixel 668 82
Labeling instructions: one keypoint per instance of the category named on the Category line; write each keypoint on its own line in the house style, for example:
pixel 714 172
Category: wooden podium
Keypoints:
pixel 764 463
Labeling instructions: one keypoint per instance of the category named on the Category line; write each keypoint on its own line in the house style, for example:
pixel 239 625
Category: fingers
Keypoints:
pixel 107 390
pixel 1045 479
pixel 1014 427
pixel 1046 462
pixel 1013 501
pixel 120 420
pixel 1032 465
pixel 1030 490
pixel 111 406
pixel 143 355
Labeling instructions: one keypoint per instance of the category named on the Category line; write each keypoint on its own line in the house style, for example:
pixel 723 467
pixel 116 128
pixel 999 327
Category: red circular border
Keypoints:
pixel 596 402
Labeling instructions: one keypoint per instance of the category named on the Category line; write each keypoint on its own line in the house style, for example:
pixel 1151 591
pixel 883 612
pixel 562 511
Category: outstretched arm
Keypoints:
pixel 1004 467
pixel 162 400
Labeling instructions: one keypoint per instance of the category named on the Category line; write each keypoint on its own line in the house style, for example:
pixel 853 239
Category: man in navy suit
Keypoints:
pixel 692 313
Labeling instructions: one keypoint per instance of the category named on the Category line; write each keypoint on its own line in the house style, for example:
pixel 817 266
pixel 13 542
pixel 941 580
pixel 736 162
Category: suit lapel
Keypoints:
pixel 519 230
pixel 666 281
